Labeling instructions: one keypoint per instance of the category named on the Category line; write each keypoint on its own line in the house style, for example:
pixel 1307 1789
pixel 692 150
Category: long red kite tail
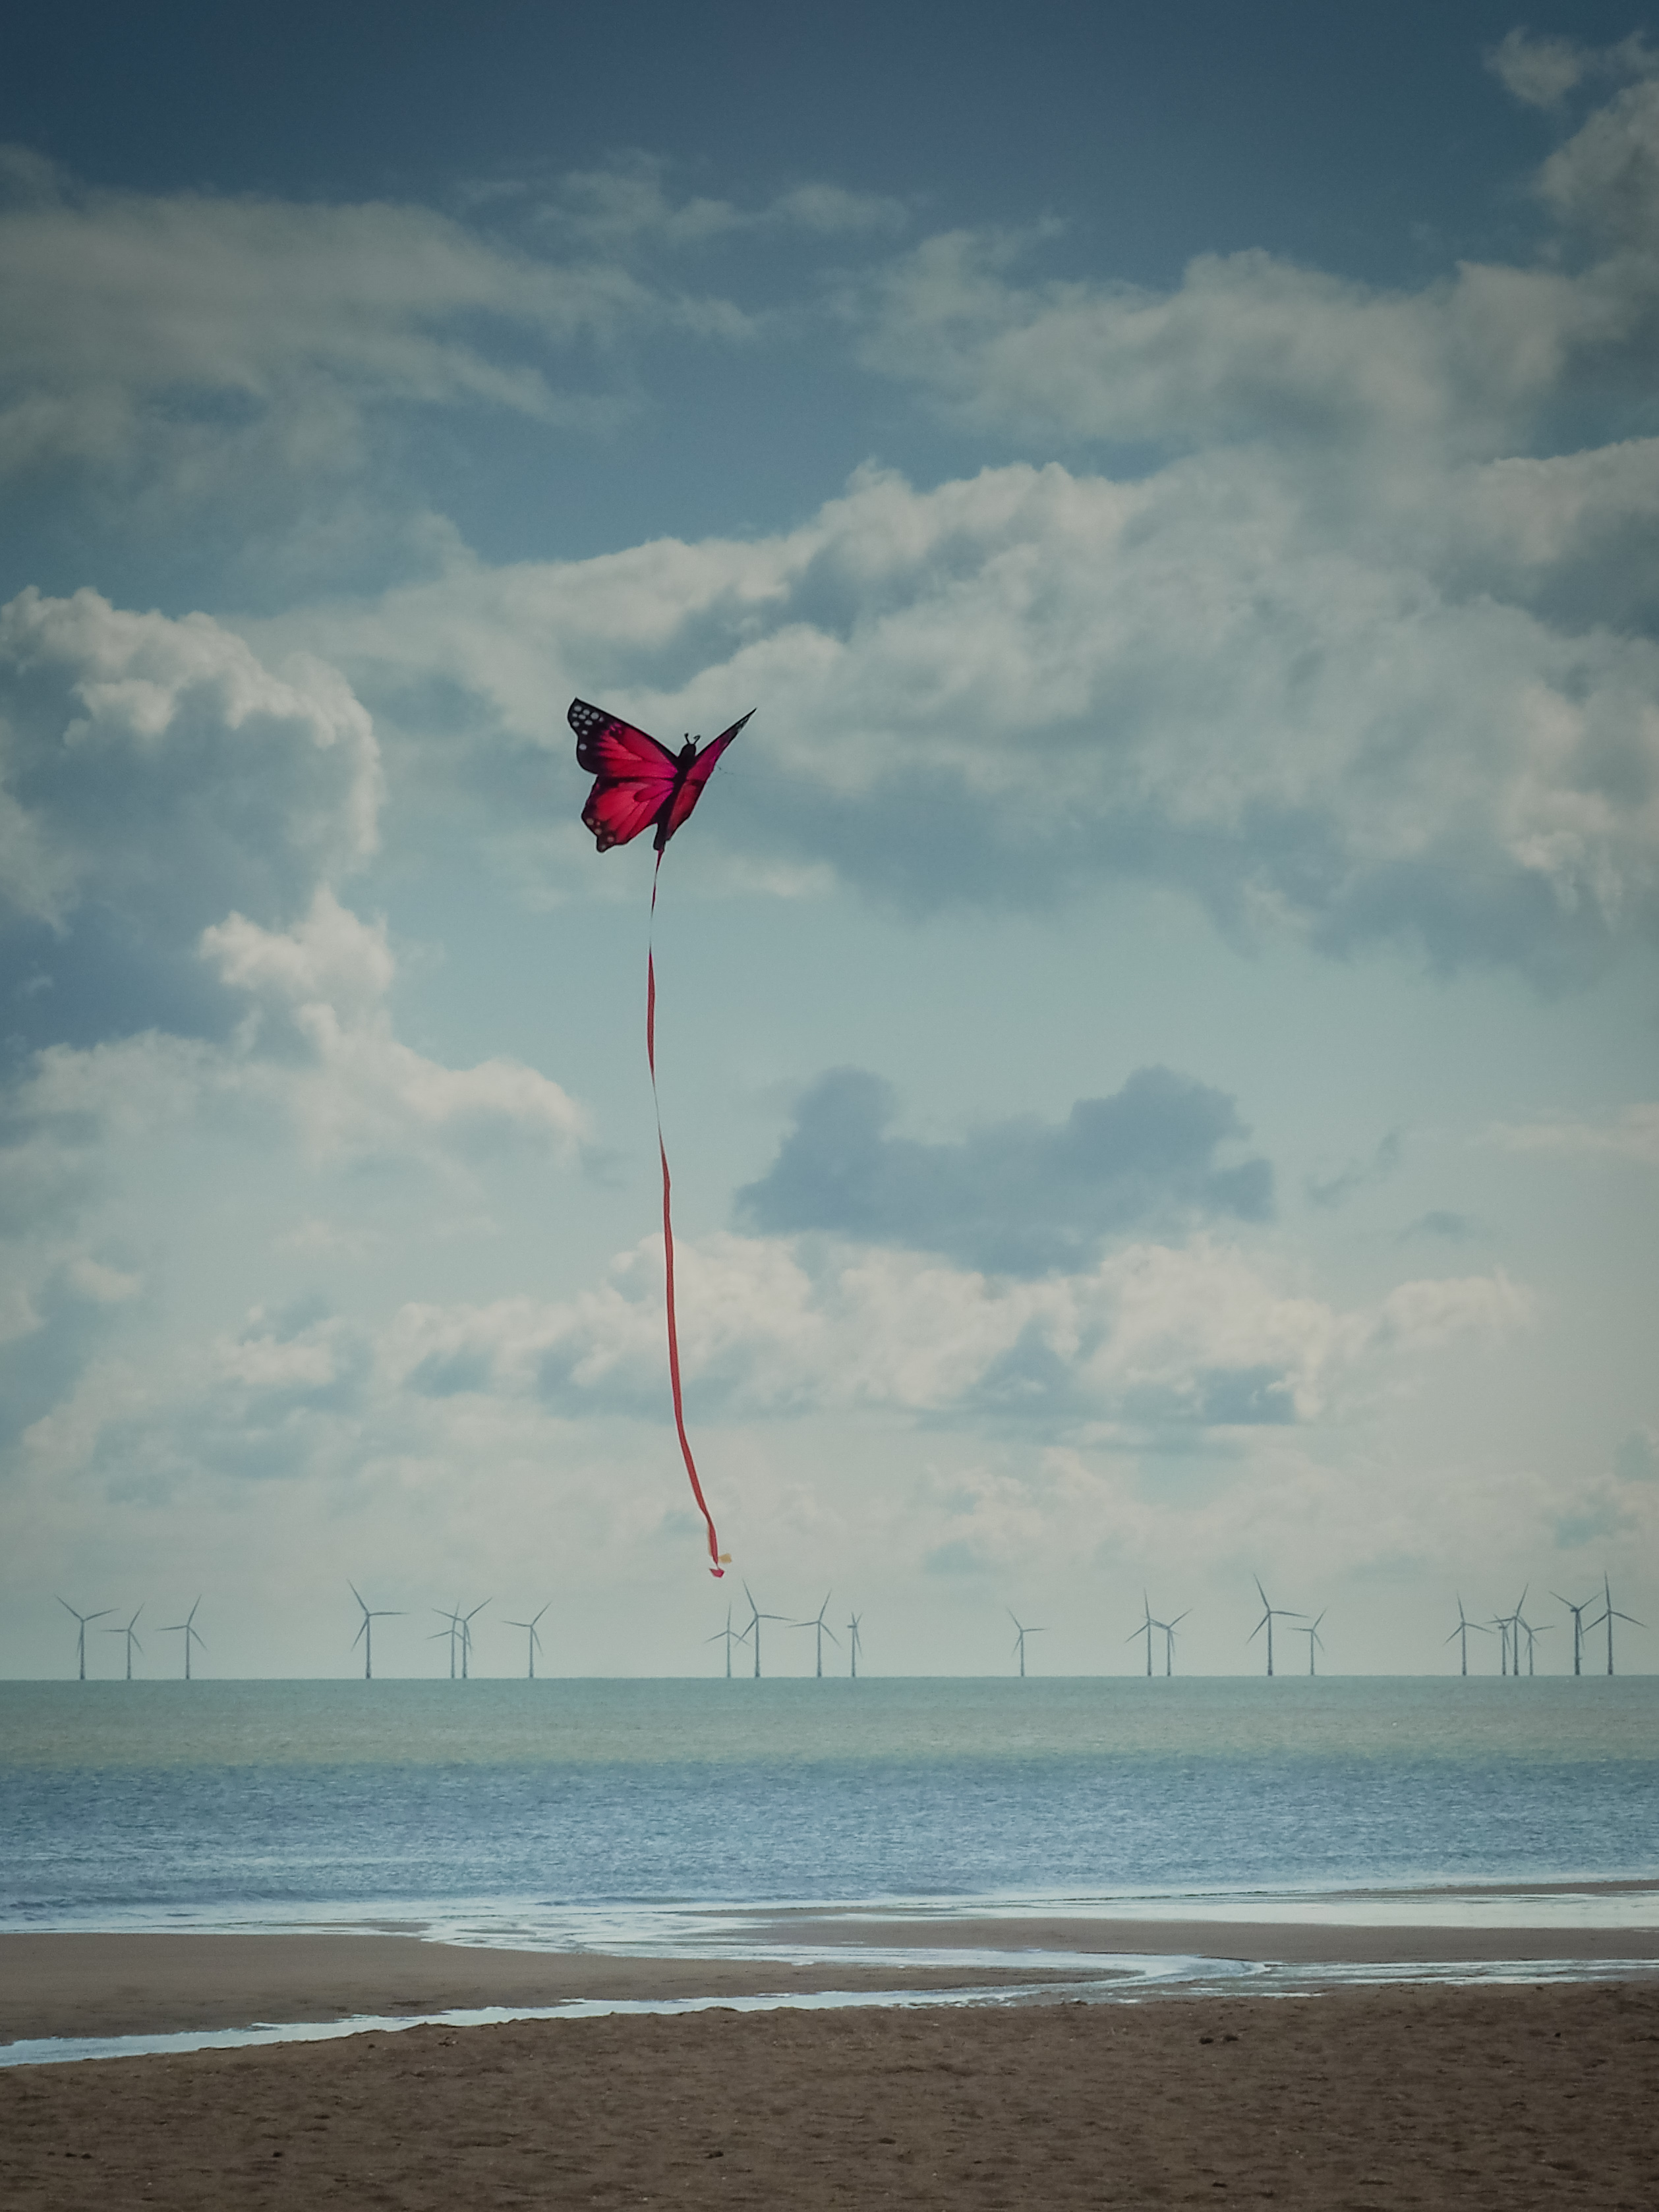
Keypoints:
pixel 717 1567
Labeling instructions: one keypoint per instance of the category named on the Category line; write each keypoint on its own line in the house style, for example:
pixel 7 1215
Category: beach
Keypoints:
pixel 121 1984
pixel 1390 1946
pixel 1517 2096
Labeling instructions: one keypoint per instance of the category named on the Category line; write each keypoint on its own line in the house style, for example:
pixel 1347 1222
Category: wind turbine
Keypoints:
pixel 726 1636
pixel 1501 1625
pixel 536 1641
pixel 1532 1635
pixel 365 1634
pixel 188 1630
pixel 823 1628
pixel 753 1629
pixel 1168 1628
pixel 1145 1630
pixel 466 1620
pixel 855 1643
pixel 452 1631
pixel 81 1641
pixel 1514 1624
pixel 1019 1641
pixel 1314 1637
pixel 1269 1613
pixel 1577 1612
pixel 131 1638
pixel 1610 1613
pixel 1464 1625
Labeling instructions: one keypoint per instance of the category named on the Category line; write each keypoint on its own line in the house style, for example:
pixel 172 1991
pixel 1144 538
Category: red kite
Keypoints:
pixel 638 782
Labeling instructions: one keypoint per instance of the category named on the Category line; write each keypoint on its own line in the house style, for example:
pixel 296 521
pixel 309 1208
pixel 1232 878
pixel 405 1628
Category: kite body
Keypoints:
pixel 638 782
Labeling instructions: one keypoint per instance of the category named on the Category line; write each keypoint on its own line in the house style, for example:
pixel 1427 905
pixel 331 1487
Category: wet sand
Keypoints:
pixel 1514 2097
pixel 122 1984
pixel 104 1985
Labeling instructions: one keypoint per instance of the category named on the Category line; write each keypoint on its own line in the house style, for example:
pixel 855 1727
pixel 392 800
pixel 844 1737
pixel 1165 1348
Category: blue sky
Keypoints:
pixel 1160 1020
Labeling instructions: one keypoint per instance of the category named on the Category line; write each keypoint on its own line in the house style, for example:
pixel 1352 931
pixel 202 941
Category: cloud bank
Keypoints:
pixel 1017 1197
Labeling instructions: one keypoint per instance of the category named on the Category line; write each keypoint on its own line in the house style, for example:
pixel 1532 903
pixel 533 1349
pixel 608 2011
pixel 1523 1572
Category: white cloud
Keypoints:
pixel 1156 1335
pixel 121 303
pixel 322 1044
pixel 1605 181
pixel 1001 687
pixel 160 767
pixel 1541 72
pixel 104 1285
pixel 1633 1136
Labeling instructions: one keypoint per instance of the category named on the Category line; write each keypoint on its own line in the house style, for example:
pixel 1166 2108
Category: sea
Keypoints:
pixel 686 1818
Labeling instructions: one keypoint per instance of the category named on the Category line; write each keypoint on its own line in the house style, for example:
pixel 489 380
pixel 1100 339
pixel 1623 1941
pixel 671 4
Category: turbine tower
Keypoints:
pixel 1513 1622
pixel 1577 1612
pixel 1269 1614
pixel 824 1629
pixel 188 1630
pixel 452 1632
pixel 753 1629
pixel 1532 1635
pixel 536 1640
pixel 1168 1628
pixel 1609 1614
pixel 1019 1641
pixel 726 1636
pixel 130 1633
pixel 1145 1630
pixel 1464 1625
pixel 365 1634
pixel 855 1643
pixel 1314 1637
pixel 466 1620
pixel 84 1618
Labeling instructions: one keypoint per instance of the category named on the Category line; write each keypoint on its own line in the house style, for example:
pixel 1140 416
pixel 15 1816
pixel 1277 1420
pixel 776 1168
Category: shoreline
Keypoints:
pixel 88 1985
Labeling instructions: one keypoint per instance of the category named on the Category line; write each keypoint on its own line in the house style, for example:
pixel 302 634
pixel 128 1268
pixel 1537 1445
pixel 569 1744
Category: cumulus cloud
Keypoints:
pixel 1540 72
pixel 1604 182
pixel 999 690
pixel 1019 1197
pixel 154 773
pixel 185 813
pixel 1154 1335
pixel 321 1042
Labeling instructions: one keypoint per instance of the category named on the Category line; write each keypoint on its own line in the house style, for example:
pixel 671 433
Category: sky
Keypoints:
pixel 1158 1026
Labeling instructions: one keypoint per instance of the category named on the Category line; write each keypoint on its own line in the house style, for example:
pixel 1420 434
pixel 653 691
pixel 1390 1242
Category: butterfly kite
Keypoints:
pixel 639 785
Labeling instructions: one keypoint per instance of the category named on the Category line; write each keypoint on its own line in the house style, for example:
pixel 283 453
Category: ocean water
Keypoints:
pixel 630 1814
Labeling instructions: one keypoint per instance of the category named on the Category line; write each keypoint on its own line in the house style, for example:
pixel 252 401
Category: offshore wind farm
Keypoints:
pixel 1581 1654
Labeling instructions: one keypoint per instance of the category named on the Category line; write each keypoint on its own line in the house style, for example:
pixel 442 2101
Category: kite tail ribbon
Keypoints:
pixel 717 1567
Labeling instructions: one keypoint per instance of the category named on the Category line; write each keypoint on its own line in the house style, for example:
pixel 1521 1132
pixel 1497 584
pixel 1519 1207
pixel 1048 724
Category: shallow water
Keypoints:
pixel 591 1813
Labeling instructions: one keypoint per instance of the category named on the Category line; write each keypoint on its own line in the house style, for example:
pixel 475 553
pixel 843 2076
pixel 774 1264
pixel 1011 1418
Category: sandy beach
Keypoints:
pixel 111 1984
pixel 1516 2097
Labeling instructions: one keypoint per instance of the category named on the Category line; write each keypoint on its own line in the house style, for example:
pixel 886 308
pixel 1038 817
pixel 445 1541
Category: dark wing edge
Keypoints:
pixel 607 745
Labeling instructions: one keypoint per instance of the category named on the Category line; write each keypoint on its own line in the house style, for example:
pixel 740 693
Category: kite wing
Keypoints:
pixel 633 776
pixel 682 800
